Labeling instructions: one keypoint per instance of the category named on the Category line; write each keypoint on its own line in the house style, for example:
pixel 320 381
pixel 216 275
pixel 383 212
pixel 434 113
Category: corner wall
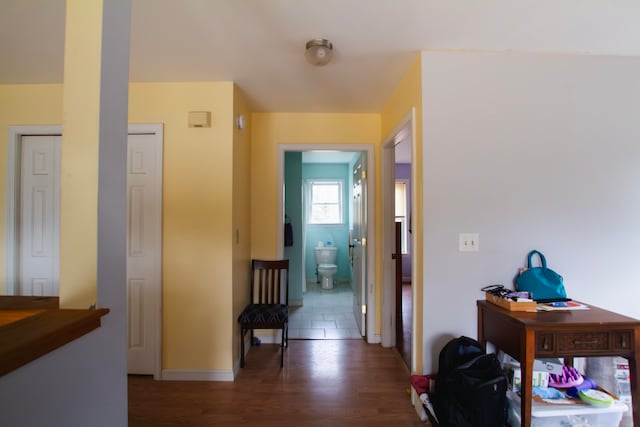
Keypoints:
pixel 408 95
pixel 530 151
pixel 241 231
pixel 198 229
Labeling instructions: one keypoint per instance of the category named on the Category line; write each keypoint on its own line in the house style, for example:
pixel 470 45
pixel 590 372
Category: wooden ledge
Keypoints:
pixel 29 333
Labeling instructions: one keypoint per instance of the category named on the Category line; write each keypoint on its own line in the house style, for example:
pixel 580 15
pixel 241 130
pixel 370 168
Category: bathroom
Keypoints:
pixel 318 210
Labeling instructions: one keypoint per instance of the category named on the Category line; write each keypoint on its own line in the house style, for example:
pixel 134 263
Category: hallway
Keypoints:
pixel 326 314
pixel 323 383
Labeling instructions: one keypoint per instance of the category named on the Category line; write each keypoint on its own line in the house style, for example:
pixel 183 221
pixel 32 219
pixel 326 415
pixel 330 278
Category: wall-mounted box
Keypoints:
pixel 199 119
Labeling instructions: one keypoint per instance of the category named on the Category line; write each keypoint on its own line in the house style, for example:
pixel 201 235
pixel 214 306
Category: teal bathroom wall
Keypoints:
pixel 338 234
pixel 293 211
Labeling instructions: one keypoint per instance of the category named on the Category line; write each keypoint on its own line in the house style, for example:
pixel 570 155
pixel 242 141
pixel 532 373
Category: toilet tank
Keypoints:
pixel 326 255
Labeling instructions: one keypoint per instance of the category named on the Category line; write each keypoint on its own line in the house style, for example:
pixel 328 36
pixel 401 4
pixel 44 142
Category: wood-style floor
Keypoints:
pixel 323 383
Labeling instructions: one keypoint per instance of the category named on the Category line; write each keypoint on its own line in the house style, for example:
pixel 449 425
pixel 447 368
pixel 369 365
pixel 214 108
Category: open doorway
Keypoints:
pixel 399 289
pixel 321 189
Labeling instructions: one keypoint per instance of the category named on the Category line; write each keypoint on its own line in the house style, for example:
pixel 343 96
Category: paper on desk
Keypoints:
pixel 561 306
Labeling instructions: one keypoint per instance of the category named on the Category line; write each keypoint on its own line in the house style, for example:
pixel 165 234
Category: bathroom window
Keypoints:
pixel 325 202
pixel 401 213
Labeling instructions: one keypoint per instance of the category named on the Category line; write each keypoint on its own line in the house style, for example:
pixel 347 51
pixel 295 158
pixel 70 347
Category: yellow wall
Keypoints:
pixel 205 197
pixel 271 129
pixel 408 95
pixel 22 105
pixel 241 232
pixel 197 220
pixel 197 206
pixel 79 161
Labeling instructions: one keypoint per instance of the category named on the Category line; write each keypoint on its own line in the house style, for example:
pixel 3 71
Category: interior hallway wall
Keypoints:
pixel 293 208
pixel 531 151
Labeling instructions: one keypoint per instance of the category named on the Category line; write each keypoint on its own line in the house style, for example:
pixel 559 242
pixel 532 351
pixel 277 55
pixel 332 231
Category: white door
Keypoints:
pixel 358 243
pixel 39 217
pixel 37 213
pixel 144 205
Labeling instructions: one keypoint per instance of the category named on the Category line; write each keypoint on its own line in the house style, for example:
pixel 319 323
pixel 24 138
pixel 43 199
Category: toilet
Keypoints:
pixel 327 268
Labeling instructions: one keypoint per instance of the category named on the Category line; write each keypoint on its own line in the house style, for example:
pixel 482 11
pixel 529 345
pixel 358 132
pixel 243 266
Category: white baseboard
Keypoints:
pixel 295 302
pixel 196 375
pixel 417 404
pixel 374 339
pixel 275 337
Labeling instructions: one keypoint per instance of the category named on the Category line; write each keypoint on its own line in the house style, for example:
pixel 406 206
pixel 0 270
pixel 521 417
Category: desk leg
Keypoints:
pixel 634 369
pixel 634 373
pixel 481 338
pixel 527 352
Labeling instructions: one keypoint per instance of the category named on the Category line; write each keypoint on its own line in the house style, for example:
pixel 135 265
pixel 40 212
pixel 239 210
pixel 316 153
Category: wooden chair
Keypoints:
pixel 268 307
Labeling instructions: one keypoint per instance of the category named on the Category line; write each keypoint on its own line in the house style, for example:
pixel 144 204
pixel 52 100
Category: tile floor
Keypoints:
pixel 326 314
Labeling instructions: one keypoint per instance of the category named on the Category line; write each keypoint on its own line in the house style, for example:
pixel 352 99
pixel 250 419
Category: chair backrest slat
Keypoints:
pixel 270 282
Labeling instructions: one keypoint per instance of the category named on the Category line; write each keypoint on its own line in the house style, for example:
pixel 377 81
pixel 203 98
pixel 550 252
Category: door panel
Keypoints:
pixel 358 243
pixel 39 219
pixel 143 242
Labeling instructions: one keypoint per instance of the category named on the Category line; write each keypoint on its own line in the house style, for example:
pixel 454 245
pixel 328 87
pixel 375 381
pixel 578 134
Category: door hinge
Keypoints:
pixel 363 241
pixel 364 309
pixel 364 174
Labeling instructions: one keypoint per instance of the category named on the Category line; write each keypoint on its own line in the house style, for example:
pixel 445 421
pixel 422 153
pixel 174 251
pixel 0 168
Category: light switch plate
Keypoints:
pixel 469 242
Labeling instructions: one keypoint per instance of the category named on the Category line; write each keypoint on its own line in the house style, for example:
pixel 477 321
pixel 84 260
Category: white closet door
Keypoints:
pixel 39 221
pixel 144 195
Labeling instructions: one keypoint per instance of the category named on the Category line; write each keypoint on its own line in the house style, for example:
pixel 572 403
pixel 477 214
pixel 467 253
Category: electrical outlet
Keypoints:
pixel 469 242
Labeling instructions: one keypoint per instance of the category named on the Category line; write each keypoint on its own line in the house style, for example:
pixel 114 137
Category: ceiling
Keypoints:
pixel 259 44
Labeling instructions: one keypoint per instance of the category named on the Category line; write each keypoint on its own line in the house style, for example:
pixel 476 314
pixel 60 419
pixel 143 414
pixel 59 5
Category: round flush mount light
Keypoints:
pixel 319 51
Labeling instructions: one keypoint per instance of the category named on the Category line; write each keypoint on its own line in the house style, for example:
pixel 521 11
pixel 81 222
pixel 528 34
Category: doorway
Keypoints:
pixel 35 150
pixel 291 200
pixel 399 286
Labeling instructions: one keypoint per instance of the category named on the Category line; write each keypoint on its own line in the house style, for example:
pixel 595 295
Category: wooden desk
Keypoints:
pixel 577 333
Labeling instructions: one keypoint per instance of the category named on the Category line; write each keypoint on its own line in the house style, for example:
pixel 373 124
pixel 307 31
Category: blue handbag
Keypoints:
pixel 542 283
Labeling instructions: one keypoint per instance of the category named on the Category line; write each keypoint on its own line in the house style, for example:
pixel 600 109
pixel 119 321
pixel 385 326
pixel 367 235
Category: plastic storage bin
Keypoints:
pixel 558 415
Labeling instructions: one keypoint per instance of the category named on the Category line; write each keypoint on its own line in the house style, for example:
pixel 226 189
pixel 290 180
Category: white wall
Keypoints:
pixel 531 151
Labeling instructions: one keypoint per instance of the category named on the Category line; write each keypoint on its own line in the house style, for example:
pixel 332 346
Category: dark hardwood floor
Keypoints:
pixel 323 383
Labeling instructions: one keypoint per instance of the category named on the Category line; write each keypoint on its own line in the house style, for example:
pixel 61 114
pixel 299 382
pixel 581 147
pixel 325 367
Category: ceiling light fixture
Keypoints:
pixel 319 51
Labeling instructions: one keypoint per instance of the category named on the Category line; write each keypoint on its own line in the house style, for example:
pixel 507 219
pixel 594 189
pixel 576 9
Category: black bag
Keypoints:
pixel 471 386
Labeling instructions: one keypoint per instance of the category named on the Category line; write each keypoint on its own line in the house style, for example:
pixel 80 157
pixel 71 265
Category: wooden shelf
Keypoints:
pixel 27 333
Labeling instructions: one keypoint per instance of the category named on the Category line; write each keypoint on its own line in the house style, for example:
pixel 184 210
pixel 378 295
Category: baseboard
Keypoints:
pixel 275 337
pixel 374 338
pixel 295 303
pixel 195 375
pixel 417 404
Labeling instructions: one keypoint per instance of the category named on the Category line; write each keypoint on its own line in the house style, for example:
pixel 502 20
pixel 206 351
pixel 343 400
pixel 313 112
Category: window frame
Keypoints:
pixel 310 205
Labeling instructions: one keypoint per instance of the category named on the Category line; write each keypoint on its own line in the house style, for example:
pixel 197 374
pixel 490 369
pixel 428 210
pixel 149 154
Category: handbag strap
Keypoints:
pixel 543 260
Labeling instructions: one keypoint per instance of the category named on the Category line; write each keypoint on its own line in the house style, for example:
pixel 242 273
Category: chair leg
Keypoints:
pixel 282 346
pixel 241 347
pixel 286 335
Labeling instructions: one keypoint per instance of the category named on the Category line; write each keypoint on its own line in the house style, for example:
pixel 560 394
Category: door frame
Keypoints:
pixel 372 337
pixel 404 129
pixel 12 198
pixel 156 129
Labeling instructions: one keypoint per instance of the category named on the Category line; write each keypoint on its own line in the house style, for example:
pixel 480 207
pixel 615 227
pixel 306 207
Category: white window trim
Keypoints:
pixel 309 185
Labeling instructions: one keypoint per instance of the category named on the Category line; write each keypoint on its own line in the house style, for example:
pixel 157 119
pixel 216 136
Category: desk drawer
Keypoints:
pixel 583 342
